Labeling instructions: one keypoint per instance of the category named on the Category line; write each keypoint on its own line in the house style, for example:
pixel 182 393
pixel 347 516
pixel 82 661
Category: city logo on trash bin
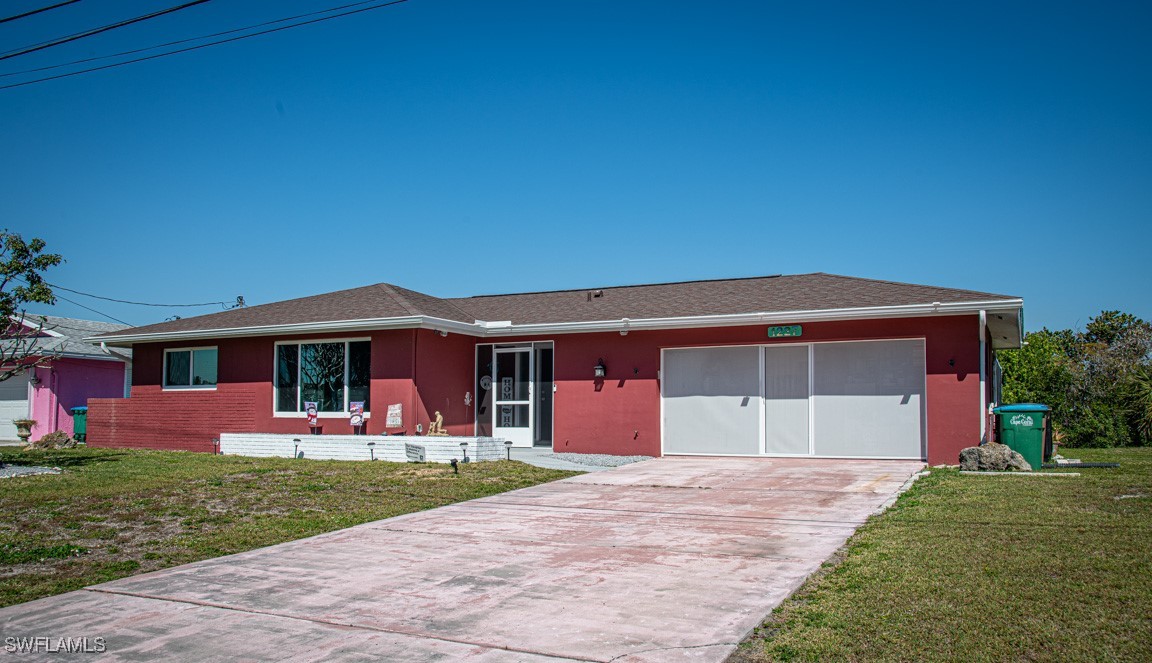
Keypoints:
pixel 1021 420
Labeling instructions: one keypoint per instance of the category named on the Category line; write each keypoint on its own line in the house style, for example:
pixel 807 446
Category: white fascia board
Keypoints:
pixel 482 328
pixel 742 319
pixel 126 340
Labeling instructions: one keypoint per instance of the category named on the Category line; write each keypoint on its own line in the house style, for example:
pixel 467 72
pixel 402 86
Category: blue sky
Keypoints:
pixel 464 148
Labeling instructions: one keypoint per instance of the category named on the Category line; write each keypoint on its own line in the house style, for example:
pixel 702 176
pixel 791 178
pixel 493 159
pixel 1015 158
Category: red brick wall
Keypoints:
pixel 426 372
pixel 151 420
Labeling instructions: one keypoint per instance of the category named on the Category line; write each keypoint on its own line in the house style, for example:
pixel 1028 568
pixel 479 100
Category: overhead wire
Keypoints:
pixel 190 39
pixel 193 48
pixel 88 308
pixel 95 31
pixel 38 11
pixel 125 301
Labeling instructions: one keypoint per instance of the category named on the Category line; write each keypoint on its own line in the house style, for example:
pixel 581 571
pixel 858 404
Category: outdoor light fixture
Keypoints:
pixel 508 446
pixel 599 369
pixel 464 448
pixel 372 450
pixel 34 380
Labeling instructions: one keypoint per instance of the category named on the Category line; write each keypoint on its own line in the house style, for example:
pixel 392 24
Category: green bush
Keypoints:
pixel 1096 381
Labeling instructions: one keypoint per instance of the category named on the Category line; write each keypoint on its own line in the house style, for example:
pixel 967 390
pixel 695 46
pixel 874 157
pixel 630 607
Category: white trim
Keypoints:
pixel 983 377
pixel 763 408
pixel 811 397
pixel 164 386
pixel 486 329
pixel 660 385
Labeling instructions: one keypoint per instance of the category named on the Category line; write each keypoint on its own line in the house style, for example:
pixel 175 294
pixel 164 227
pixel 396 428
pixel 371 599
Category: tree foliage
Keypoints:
pixel 1097 381
pixel 22 265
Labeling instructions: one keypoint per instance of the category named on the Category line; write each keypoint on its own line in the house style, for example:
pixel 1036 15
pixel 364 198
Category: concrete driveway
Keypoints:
pixel 665 560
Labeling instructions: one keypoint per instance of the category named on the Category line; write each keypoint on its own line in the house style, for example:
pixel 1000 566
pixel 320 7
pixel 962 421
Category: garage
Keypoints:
pixel 853 399
pixel 13 404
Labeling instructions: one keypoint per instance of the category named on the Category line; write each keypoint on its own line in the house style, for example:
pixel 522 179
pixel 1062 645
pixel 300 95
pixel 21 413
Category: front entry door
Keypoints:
pixel 512 384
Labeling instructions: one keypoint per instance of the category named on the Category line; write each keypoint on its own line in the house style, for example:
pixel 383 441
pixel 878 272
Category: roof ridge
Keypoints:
pixel 629 285
pixel 399 291
pixel 392 292
pixel 918 285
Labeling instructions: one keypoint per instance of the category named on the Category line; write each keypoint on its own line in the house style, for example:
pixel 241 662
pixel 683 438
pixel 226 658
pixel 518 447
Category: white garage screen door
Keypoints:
pixel 851 399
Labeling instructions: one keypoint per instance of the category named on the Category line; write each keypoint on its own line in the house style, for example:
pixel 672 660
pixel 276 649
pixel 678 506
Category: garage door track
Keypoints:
pixel 664 560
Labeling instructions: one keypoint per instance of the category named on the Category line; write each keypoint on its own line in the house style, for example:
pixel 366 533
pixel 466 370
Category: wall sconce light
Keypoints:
pixel 599 369
pixel 34 380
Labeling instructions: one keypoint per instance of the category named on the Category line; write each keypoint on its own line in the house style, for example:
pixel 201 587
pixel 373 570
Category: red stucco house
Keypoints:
pixel 811 364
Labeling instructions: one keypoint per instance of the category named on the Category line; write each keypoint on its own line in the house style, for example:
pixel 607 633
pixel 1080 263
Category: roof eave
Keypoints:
pixel 491 329
pixel 742 319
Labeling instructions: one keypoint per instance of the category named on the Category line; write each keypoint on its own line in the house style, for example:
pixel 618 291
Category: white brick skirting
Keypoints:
pixel 355 447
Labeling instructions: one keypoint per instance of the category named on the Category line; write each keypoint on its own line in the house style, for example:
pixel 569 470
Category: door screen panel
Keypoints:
pixel 786 399
pixel 712 400
pixel 868 399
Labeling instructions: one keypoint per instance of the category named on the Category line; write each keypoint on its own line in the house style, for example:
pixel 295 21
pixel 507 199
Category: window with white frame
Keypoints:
pixel 190 368
pixel 331 374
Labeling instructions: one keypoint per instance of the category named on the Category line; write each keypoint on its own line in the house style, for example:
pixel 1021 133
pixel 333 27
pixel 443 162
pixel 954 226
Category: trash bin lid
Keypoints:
pixel 1023 407
pixel 80 409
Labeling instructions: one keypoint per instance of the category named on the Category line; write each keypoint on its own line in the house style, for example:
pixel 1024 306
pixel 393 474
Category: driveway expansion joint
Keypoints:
pixel 334 624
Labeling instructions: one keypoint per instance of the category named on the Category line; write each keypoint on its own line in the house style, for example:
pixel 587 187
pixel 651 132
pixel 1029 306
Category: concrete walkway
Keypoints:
pixel 675 559
pixel 543 457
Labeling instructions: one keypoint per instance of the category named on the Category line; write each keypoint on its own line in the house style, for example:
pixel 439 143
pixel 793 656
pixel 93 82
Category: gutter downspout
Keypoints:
pixel 983 376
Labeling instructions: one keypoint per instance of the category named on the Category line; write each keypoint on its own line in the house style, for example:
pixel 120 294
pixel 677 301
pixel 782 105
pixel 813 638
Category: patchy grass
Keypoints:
pixel 986 569
pixel 117 512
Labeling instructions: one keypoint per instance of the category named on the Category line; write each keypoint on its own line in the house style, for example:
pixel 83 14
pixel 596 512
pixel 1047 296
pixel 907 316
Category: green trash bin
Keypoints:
pixel 1025 428
pixel 80 423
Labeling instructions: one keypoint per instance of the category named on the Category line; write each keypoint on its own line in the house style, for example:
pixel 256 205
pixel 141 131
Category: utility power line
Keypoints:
pixel 37 11
pixel 194 48
pixel 191 39
pixel 95 31
pixel 94 311
pixel 234 304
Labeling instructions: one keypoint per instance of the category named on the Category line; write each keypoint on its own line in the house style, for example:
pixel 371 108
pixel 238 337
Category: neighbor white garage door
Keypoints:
pixel 860 399
pixel 13 404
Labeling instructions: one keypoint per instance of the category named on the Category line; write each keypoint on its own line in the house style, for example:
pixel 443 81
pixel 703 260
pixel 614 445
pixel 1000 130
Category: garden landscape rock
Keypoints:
pixel 992 457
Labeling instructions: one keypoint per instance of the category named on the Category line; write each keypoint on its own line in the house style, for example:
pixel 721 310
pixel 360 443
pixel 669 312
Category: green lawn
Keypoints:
pixel 979 568
pixel 114 513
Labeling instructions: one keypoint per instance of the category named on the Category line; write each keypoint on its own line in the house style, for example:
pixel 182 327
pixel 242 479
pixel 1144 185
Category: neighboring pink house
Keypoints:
pixel 78 372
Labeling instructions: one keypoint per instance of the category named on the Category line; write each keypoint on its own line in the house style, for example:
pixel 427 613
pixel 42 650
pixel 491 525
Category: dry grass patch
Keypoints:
pixel 116 512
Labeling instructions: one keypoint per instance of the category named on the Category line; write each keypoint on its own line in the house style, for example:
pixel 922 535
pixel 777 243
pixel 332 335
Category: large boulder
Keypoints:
pixel 992 457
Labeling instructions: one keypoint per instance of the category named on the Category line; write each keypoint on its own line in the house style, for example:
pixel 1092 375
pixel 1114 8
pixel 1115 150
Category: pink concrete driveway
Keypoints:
pixel 675 559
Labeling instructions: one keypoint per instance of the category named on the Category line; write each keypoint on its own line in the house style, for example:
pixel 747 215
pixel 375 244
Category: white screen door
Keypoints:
pixel 512 384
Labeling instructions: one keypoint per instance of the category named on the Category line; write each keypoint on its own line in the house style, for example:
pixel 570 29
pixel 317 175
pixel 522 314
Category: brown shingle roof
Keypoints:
pixel 768 294
pixel 803 292
pixel 369 302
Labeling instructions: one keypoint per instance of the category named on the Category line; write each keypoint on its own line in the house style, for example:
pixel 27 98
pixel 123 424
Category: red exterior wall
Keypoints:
pixel 445 367
pixel 426 373
pixel 621 413
pixel 242 401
